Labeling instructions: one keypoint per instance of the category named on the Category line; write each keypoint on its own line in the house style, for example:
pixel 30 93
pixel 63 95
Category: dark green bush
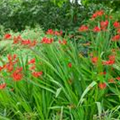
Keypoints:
pixel 23 13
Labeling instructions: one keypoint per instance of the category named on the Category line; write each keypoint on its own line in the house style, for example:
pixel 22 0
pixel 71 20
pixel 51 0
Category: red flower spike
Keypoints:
pixel 32 61
pixel 104 24
pixel 83 28
pixel 9 57
pixel 103 73
pixel 94 59
pixel 17 76
pixel 7 36
pixel 118 31
pixel 32 67
pixel 1 68
pixel 47 40
pixel 37 74
pixel 118 78
pixel 9 67
pixel 33 43
pixel 97 13
pixel 109 62
pixel 50 32
pixel 96 29
pixel 58 33
pixel 112 57
pixel 116 38
pixel 69 65
pixel 111 80
pixel 2 86
pixel 17 39
pixel 18 70
pixel 63 42
pixel 26 42
pixel 102 85
pixel 116 24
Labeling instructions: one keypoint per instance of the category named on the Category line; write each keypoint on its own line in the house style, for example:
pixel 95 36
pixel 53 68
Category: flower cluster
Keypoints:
pixel 13 70
pixel 19 40
pixel 51 32
pixel 46 40
pixel 32 65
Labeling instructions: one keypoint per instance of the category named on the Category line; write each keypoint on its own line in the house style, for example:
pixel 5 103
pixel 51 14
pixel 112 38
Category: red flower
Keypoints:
pixel 18 70
pixel 7 36
pixel 33 43
pixel 102 85
pixel 83 28
pixel 94 59
pixel 17 39
pixel 32 61
pixel 9 67
pixel 103 73
pixel 118 31
pixel 96 29
pixel 2 86
pixel 111 80
pixel 112 57
pixel 58 33
pixel 63 42
pixel 69 65
pixel 116 38
pixel 17 75
pixel 26 42
pixel 104 24
pixel 118 78
pixel 32 67
pixel 50 32
pixel 11 58
pixel 1 68
pixel 109 62
pixel 97 13
pixel 47 40
pixel 37 74
pixel 116 24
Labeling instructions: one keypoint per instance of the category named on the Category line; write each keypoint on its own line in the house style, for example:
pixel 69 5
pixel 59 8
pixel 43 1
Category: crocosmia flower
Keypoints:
pixel 17 75
pixel 111 60
pixel 50 32
pixel 111 80
pixel 47 40
pixel 32 61
pixel 102 85
pixel 63 42
pixel 37 74
pixel 83 28
pixel 118 78
pixel 69 65
pixel 97 14
pixel 104 24
pixel 2 86
pixel 116 24
pixel 94 59
pixel 116 38
pixel 96 29
pixel 7 36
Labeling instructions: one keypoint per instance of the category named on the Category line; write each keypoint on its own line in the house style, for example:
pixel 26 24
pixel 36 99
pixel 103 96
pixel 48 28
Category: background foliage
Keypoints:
pixel 16 14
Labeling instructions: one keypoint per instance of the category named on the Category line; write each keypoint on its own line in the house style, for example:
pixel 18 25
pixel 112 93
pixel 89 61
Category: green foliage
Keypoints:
pixel 113 4
pixel 48 14
pixel 69 87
